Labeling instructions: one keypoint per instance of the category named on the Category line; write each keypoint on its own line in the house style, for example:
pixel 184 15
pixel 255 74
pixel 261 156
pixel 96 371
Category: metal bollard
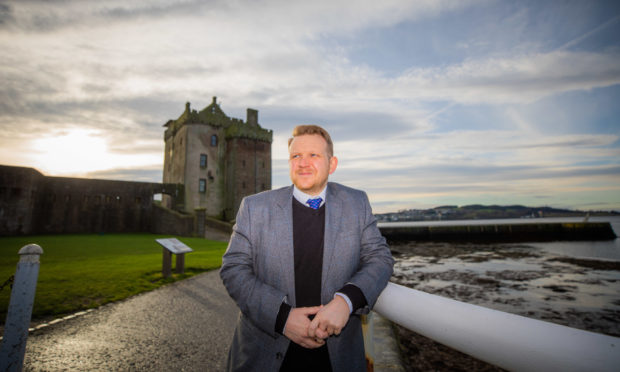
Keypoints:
pixel 18 316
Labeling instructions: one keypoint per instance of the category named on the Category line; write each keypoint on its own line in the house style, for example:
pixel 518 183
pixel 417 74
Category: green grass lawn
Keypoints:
pixel 84 271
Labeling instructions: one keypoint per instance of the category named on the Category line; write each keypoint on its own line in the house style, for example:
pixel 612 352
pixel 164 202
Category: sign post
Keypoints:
pixel 173 246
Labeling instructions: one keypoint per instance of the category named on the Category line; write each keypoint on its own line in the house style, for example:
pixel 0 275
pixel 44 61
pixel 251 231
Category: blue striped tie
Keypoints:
pixel 314 203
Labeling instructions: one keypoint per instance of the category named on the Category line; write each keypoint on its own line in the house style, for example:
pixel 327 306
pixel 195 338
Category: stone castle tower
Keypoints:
pixel 218 159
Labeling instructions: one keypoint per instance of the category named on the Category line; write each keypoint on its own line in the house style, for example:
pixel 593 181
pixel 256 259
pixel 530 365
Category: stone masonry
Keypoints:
pixel 31 203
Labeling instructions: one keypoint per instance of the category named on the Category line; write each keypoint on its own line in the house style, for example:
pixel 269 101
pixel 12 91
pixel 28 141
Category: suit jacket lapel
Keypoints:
pixel 333 214
pixel 282 237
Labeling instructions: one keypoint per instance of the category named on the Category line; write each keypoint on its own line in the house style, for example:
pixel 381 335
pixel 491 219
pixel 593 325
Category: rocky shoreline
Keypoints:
pixel 421 354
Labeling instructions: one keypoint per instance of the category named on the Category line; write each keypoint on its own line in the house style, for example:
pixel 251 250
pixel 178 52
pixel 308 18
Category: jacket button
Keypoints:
pixel 278 355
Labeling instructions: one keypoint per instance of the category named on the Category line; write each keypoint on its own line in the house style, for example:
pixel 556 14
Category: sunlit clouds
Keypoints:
pixel 428 102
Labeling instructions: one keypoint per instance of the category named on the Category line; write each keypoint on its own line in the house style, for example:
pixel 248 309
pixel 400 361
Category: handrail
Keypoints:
pixel 506 340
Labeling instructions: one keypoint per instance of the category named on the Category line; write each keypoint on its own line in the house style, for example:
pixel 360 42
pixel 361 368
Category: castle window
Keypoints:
pixel 243 185
pixel 214 140
pixel 243 163
pixel 203 160
pixel 202 186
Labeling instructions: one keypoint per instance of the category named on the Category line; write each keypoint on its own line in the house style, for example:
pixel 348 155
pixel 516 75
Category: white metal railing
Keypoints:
pixel 506 340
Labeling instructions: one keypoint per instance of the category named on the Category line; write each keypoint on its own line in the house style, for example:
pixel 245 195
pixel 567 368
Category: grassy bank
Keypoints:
pixel 84 271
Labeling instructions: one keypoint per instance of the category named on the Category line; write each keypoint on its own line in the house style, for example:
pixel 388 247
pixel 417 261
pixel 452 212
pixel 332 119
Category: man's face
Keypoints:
pixel 309 163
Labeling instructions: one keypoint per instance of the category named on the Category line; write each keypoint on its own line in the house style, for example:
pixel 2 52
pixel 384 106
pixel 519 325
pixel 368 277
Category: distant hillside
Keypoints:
pixel 479 212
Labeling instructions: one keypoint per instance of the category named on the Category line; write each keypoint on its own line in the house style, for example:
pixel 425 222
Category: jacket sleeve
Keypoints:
pixel 376 262
pixel 257 300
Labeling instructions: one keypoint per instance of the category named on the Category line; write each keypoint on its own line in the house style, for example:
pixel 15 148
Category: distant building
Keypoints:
pixel 218 159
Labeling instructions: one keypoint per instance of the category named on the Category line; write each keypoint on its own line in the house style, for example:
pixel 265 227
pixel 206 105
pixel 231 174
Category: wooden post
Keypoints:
pixel 166 267
pixel 180 268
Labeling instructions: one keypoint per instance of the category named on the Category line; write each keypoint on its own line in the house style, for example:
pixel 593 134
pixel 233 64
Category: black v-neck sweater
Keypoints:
pixel 308 238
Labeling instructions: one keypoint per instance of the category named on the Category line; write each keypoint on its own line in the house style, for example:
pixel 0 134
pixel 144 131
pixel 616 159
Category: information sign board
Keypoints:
pixel 174 245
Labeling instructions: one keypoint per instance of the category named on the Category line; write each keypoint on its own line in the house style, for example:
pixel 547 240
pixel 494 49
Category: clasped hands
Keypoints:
pixel 328 320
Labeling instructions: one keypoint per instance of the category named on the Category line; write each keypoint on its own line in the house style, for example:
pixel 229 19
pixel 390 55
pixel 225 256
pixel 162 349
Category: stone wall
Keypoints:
pixel 211 174
pixel 167 221
pixel 18 192
pixel 249 170
pixel 175 159
pixel 31 203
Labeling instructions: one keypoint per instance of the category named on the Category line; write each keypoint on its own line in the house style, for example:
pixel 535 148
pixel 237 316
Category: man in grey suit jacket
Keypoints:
pixel 301 275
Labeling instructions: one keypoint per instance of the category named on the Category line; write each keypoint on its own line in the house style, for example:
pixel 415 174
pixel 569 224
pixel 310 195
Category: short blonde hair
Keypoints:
pixel 302 130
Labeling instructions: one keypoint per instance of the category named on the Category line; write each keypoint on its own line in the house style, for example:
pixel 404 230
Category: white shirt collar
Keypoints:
pixel 302 197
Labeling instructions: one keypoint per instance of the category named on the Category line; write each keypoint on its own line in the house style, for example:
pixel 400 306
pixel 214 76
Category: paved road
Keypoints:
pixel 185 326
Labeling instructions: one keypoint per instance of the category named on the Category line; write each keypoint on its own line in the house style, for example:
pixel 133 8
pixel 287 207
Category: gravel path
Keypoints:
pixel 184 326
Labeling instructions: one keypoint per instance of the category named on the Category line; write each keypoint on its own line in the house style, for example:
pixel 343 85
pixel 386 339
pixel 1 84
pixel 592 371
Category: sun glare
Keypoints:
pixel 73 152
pixel 78 152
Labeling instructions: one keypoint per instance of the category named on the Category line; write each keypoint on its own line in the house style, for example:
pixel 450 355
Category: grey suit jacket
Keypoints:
pixel 258 272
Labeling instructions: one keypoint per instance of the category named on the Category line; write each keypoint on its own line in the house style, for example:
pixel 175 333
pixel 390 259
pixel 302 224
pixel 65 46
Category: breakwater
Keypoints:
pixel 498 231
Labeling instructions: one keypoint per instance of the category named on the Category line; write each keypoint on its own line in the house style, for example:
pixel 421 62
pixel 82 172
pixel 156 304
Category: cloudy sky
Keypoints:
pixel 429 102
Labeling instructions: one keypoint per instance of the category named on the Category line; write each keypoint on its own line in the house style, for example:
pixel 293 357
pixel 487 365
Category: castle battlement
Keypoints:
pixel 214 116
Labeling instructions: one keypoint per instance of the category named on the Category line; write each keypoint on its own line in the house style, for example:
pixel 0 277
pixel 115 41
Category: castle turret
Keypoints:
pixel 252 117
